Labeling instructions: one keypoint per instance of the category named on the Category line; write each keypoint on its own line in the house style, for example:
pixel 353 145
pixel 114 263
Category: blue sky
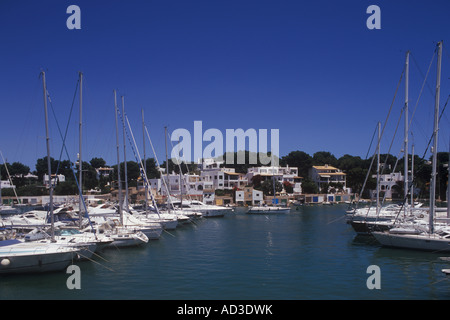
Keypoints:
pixel 311 69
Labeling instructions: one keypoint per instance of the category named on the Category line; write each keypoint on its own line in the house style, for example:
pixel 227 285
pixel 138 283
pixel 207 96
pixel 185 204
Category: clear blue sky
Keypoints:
pixel 311 69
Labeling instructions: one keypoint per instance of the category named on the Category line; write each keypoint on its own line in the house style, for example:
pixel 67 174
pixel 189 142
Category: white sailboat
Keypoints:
pixel 30 257
pixel 268 209
pixel 18 257
pixel 195 206
pixel 433 238
pixel 123 236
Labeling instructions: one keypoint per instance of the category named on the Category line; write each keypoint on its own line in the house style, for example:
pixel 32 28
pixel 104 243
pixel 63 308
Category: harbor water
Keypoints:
pixel 309 253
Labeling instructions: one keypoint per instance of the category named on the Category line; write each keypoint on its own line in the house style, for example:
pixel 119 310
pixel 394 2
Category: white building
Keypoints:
pixel 5 184
pixel 387 184
pixel 249 196
pixel 327 174
pixel 55 179
pixel 187 185
pixel 280 174
pixel 103 172
pixel 221 178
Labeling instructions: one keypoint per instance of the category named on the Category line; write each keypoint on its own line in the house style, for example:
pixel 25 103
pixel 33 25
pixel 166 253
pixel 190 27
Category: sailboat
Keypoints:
pixel 7 209
pixel 382 218
pixel 434 238
pixel 24 257
pixel 30 257
pixel 122 236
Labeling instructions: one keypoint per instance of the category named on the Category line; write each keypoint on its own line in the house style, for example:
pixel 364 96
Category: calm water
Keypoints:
pixel 310 253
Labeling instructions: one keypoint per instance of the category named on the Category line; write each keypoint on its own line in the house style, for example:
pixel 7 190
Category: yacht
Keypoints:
pixel 207 210
pixel 31 257
pixel 269 209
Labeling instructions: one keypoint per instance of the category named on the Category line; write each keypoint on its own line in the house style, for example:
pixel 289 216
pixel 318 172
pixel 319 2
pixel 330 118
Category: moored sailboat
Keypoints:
pixel 431 239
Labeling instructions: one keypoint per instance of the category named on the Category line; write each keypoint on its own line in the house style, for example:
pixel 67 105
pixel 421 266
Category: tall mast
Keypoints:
pixel 125 157
pixel 167 171
pixel 405 153
pixel 435 138
pixel 119 194
pixel 412 175
pixel 448 182
pixel 145 163
pixel 49 168
pixel 80 163
pixel 181 178
pixel 1 201
pixel 378 167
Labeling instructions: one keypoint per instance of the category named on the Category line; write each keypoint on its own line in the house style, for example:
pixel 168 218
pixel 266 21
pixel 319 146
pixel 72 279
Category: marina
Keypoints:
pixel 317 210
pixel 309 253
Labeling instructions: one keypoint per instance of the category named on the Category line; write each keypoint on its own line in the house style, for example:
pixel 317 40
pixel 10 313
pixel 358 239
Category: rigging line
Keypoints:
pixel 179 166
pixel 64 147
pixel 370 145
pixel 68 120
pixel 384 126
pixel 439 121
pixel 387 157
pixel 423 157
pixel 392 141
pixel 137 155
pixel 423 85
pixel 421 73
pixel 9 177
pixel 159 167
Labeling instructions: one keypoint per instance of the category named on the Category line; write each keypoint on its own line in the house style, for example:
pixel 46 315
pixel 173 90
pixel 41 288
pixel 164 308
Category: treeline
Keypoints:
pixel 355 167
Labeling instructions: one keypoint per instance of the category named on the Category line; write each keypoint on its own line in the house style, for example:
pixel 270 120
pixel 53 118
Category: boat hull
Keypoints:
pixel 36 260
pixel 266 210
pixel 423 242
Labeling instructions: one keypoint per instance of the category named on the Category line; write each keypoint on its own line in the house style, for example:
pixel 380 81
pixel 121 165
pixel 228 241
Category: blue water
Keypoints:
pixel 310 253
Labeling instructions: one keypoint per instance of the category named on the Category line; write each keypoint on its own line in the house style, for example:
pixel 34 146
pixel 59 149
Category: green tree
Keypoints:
pixel 288 187
pixel 89 179
pixel 299 159
pixel 321 158
pixel 97 163
pixel 152 170
pixel 308 186
pixel 41 167
pixel 268 186
pixel 257 181
pixel 241 160
pixel 66 188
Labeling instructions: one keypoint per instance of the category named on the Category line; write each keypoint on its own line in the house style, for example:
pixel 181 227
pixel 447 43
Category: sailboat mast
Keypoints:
pixel 167 172
pixel 405 153
pixel 1 200
pixel 80 162
pixel 378 167
pixel 49 167
pixel 119 194
pixel 448 182
pixel 435 138
pixel 145 163
pixel 412 175
pixel 125 157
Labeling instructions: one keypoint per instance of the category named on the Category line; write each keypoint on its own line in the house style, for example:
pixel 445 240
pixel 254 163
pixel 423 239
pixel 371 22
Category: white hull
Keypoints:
pixel 127 239
pixel 207 210
pixel 34 258
pixel 422 241
pixel 269 210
